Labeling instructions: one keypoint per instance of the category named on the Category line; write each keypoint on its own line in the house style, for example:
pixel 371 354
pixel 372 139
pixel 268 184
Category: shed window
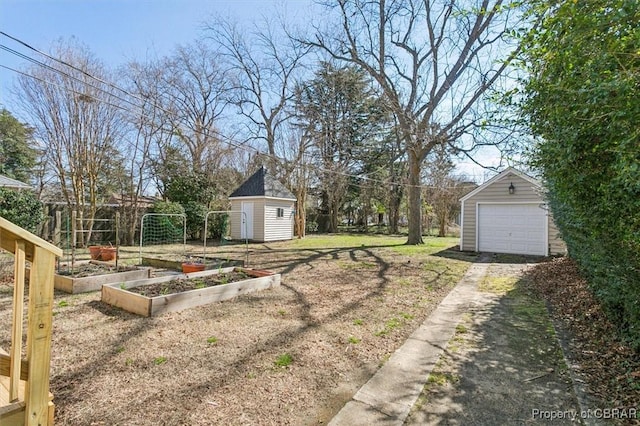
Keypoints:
pixel 279 212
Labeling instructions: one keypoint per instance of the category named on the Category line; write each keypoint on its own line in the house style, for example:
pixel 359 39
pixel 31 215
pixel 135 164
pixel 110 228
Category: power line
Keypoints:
pixel 50 68
pixel 60 61
pixel 223 138
pixel 63 88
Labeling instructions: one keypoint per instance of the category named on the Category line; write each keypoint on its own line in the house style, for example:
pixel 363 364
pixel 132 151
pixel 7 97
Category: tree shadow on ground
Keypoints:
pixel 471 256
pixel 282 260
pixel 504 365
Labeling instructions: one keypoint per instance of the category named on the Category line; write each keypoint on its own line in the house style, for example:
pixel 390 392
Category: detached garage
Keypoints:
pixel 507 214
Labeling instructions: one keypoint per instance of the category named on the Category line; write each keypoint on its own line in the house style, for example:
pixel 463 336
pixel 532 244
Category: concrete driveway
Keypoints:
pixel 488 355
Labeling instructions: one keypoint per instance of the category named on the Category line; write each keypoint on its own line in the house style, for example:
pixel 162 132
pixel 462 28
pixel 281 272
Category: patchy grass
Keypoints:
pixel 346 241
pixel 159 360
pixel 284 360
pixel 497 285
pixel 357 265
pixel 441 379
pixel 431 245
pixel 337 291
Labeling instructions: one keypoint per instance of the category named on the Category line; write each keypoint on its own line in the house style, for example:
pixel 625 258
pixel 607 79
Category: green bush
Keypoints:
pixel 218 225
pixel 582 98
pixel 21 208
pixel 196 213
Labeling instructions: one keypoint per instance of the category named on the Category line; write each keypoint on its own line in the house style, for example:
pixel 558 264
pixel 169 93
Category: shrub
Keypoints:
pixel 21 208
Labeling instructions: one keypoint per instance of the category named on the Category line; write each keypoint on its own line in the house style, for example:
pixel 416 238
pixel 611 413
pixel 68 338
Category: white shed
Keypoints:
pixel 267 209
pixel 508 214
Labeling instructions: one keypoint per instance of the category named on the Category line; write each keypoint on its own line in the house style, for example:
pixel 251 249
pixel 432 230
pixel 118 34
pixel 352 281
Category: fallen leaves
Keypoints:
pixel 610 367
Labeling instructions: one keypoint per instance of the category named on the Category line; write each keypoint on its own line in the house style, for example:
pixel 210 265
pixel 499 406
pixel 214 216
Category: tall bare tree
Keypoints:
pixel 265 64
pixel 146 133
pixel 192 92
pixel 78 120
pixel 433 60
pixel 443 189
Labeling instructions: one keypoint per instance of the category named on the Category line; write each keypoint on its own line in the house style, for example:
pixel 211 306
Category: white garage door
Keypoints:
pixel 512 228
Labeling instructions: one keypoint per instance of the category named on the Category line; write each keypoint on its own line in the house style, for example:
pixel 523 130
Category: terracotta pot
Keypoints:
pixel 192 267
pixel 107 253
pixel 94 252
pixel 259 273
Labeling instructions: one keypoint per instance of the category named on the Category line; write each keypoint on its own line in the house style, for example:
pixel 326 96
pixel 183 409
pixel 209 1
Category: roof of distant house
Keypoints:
pixel 7 182
pixel 262 184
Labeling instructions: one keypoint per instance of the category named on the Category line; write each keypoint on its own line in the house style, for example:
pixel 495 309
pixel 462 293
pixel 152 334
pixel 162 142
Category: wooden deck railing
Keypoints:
pixel 24 383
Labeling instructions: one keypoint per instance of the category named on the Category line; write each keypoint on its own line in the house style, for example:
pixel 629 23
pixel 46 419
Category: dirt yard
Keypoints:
pixel 291 355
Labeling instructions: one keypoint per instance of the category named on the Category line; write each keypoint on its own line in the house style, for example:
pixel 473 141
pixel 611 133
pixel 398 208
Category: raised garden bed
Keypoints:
pixel 90 276
pixel 210 262
pixel 155 296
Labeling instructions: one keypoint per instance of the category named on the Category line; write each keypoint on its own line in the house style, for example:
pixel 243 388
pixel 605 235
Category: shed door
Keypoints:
pixel 246 230
pixel 512 228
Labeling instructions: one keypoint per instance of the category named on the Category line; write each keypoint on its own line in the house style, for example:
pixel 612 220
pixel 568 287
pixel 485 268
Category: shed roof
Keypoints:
pixel 7 182
pixel 506 172
pixel 262 184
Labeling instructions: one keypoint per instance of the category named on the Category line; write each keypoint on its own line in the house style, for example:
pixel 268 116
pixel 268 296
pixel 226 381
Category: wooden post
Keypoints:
pixel 18 312
pixel 117 238
pixel 74 217
pixel 57 228
pixel 39 336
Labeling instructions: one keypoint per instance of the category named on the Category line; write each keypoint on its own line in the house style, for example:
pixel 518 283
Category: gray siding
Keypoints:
pixel 498 192
pixel 556 244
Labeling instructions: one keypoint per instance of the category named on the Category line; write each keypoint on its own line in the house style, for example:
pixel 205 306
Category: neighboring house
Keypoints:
pixel 508 214
pixel 7 182
pixel 264 207
pixel 143 202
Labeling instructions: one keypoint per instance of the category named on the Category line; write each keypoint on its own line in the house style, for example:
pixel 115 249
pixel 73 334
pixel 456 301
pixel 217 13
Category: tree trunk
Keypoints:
pixel 394 209
pixel 442 221
pixel 300 216
pixel 333 215
pixel 415 199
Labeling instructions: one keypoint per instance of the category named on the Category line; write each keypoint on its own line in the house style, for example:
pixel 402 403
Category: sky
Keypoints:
pixel 117 31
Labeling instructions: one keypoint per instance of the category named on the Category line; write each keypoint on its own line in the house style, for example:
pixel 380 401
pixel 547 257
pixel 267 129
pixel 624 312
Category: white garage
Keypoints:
pixel 508 214
pixel 512 228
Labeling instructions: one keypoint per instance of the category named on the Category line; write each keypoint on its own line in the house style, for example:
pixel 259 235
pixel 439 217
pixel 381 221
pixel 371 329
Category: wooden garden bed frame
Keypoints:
pixel 70 284
pixel 119 296
pixel 24 383
pixel 211 263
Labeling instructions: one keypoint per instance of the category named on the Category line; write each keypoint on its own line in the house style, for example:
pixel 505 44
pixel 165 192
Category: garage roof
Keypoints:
pixel 506 172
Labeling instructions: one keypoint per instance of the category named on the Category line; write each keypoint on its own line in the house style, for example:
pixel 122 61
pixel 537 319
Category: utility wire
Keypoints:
pixel 64 88
pixel 223 138
pixel 50 68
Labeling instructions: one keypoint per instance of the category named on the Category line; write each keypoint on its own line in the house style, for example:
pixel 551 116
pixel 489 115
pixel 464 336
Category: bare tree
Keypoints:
pixel 443 189
pixel 146 132
pixel 192 92
pixel 433 60
pixel 79 122
pixel 265 64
